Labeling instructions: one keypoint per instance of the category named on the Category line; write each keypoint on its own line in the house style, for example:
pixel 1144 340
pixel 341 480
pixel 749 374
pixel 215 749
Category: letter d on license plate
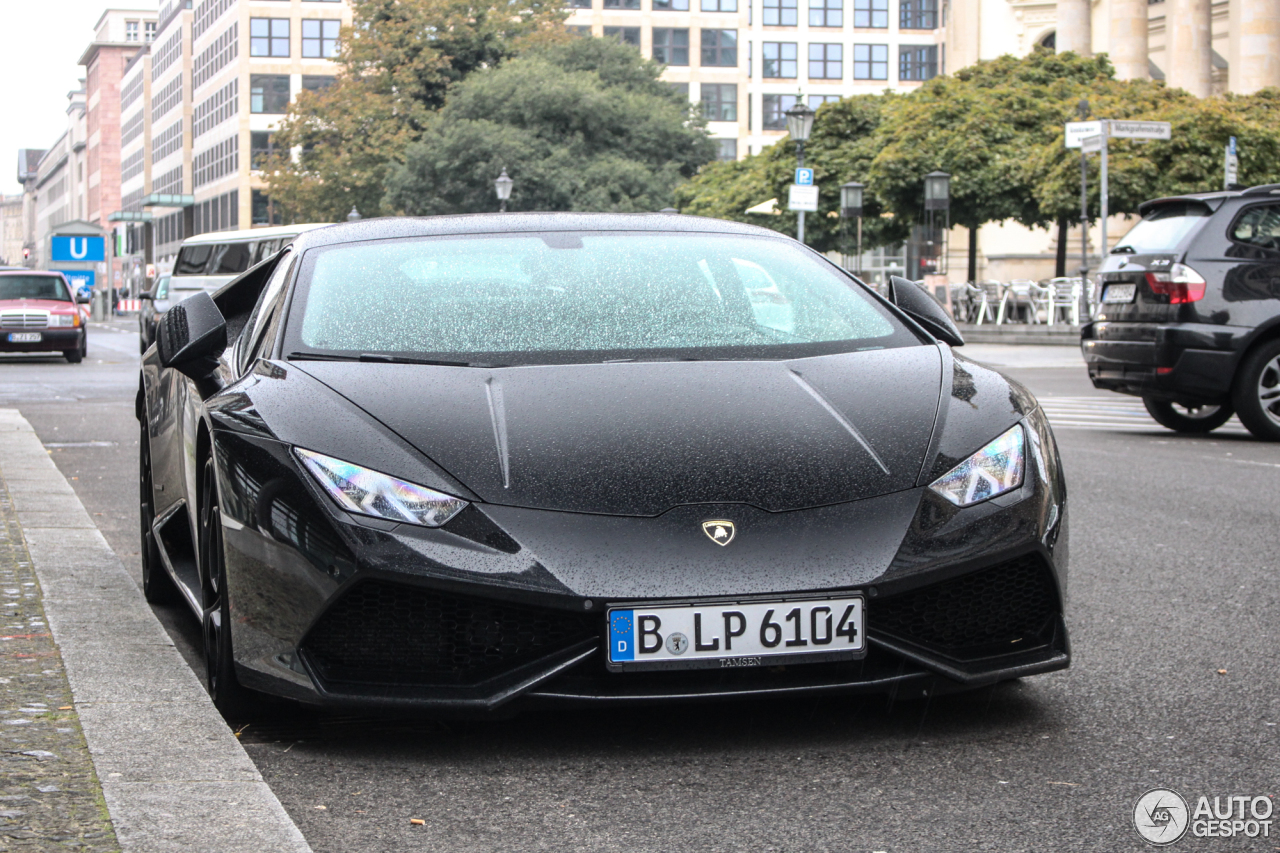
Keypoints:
pixel 735 634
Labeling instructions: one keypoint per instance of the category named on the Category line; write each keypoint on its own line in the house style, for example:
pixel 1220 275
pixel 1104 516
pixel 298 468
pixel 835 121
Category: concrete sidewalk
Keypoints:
pixel 173 775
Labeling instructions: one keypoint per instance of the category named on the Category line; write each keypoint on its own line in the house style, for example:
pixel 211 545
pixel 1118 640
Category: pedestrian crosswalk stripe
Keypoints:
pixel 1114 413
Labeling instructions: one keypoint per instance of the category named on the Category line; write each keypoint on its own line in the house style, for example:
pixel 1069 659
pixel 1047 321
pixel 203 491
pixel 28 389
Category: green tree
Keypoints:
pixel 397 62
pixel 584 125
pixel 840 149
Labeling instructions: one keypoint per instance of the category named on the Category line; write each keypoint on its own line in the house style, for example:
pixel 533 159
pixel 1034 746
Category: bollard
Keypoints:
pixel 98 306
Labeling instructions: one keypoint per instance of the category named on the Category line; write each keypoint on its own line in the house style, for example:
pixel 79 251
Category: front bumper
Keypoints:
pixel 1184 362
pixel 480 615
pixel 51 340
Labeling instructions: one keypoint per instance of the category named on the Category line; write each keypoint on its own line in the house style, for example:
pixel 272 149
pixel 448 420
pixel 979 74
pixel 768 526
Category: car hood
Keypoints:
pixel 34 304
pixel 641 438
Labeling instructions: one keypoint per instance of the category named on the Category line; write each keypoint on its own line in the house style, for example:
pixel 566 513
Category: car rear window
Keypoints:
pixel 555 296
pixel 33 287
pixel 1164 228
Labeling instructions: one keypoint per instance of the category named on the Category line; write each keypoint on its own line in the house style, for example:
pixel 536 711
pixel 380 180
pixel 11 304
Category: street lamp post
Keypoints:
pixel 851 207
pixel 937 197
pixel 799 124
pixel 502 185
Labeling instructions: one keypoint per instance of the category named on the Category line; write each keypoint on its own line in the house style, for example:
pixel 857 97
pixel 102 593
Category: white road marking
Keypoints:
pixel 1113 414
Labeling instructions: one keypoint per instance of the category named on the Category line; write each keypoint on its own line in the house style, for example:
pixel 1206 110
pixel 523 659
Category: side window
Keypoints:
pixel 252 336
pixel 193 259
pixel 162 288
pixel 1259 227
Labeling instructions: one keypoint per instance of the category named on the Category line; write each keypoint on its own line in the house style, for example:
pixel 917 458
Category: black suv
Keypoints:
pixel 1189 312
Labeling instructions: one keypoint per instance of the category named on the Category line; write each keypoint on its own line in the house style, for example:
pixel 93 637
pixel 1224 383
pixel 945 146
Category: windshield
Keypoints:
pixel 33 287
pixel 1163 229
pixel 558 296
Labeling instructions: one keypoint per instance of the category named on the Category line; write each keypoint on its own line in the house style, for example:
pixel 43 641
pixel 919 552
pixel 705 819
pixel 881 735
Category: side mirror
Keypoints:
pixel 82 298
pixel 192 335
pixel 924 309
pixel 147 295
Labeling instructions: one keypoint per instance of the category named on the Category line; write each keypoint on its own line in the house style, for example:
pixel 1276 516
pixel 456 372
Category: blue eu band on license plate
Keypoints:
pixel 744 633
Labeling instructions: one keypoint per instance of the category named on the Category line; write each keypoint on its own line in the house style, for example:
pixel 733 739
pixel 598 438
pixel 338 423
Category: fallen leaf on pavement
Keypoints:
pixel 417 821
pixel 1222 672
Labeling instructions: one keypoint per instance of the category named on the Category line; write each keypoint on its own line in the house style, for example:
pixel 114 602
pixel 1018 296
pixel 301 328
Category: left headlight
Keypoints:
pixel 367 492
pixel 993 470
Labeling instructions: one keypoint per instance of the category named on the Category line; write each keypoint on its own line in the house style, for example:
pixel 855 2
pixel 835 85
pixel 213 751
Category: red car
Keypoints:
pixel 38 313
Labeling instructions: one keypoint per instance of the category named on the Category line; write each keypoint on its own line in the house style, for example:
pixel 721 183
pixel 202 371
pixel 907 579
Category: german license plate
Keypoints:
pixel 735 634
pixel 24 337
pixel 1119 293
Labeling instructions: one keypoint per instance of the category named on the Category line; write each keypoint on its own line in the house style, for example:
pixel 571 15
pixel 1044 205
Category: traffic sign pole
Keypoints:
pixel 1103 201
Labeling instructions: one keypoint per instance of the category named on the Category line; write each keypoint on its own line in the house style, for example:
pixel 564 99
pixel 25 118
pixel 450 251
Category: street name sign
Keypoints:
pixel 1091 144
pixel 1077 131
pixel 802 198
pixel 1141 129
pixel 804 177
pixel 77 249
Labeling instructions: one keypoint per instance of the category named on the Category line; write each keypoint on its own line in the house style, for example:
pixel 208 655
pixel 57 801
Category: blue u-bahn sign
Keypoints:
pixel 77 249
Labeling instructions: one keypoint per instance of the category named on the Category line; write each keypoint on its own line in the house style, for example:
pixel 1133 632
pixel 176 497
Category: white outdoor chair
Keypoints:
pixel 1064 296
pixel 989 301
pixel 1016 301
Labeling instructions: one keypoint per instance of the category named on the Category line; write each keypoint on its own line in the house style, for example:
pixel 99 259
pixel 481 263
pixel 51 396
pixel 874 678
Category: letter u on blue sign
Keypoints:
pixel 77 249
pixel 622 635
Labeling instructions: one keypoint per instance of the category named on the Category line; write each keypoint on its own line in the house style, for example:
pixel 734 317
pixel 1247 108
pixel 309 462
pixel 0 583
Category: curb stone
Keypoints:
pixel 173 775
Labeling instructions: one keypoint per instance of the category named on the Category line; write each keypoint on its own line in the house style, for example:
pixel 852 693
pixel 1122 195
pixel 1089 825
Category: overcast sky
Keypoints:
pixel 43 41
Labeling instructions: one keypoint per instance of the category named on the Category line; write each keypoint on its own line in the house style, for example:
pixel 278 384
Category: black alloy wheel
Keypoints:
pixel 1257 391
pixel 1189 419
pixel 228 696
pixel 157 585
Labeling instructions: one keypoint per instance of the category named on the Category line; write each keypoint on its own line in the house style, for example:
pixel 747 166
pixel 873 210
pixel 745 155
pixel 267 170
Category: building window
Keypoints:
pixel 719 5
pixel 779 13
pixel 149 31
pixel 726 149
pixel 871 13
pixel 622 4
pixel 775 110
pixel 720 48
pixel 269 93
pixel 918 14
pixel 260 147
pixel 826 61
pixel 320 39
pixel 816 101
pixel 130 30
pixel 870 62
pixel 720 101
pixel 671 46
pixel 681 89
pixel 917 61
pixel 263 211
pixel 579 4
pixel 671 5
pixel 779 59
pixel 317 82
pixel 626 35
pixel 826 13
pixel 268 36
pixel 582 31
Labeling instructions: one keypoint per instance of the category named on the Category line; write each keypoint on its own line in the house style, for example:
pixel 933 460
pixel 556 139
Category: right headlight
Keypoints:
pixel 993 470
pixel 361 490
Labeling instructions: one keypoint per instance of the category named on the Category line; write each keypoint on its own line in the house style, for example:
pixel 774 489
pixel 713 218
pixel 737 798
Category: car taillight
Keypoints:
pixel 1180 283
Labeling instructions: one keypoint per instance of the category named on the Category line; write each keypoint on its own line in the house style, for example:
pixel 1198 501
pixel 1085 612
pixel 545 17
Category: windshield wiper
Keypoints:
pixel 380 358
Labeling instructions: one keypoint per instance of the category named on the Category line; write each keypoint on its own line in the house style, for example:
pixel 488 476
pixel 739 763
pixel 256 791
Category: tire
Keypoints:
pixel 1257 391
pixel 75 356
pixel 1188 419
pixel 231 700
pixel 157 586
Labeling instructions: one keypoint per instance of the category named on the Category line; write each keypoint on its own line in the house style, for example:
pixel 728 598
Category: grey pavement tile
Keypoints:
pixel 140 747
pixel 200 817
pixel 58 519
pixel 114 672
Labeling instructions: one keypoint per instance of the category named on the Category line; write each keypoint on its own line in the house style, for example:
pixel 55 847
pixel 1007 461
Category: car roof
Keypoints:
pixel 21 271
pixel 520 223
pixel 252 234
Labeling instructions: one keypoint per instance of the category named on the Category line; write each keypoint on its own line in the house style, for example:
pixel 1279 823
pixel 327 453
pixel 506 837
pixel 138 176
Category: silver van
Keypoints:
pixel 208 261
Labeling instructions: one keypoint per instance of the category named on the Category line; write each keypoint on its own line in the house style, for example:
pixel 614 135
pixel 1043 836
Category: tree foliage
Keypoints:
pixel 584 125
pixel 397 62
pixel 997 128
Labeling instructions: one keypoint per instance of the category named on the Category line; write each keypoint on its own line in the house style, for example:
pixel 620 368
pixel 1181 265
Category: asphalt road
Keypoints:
pixel 1173 611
